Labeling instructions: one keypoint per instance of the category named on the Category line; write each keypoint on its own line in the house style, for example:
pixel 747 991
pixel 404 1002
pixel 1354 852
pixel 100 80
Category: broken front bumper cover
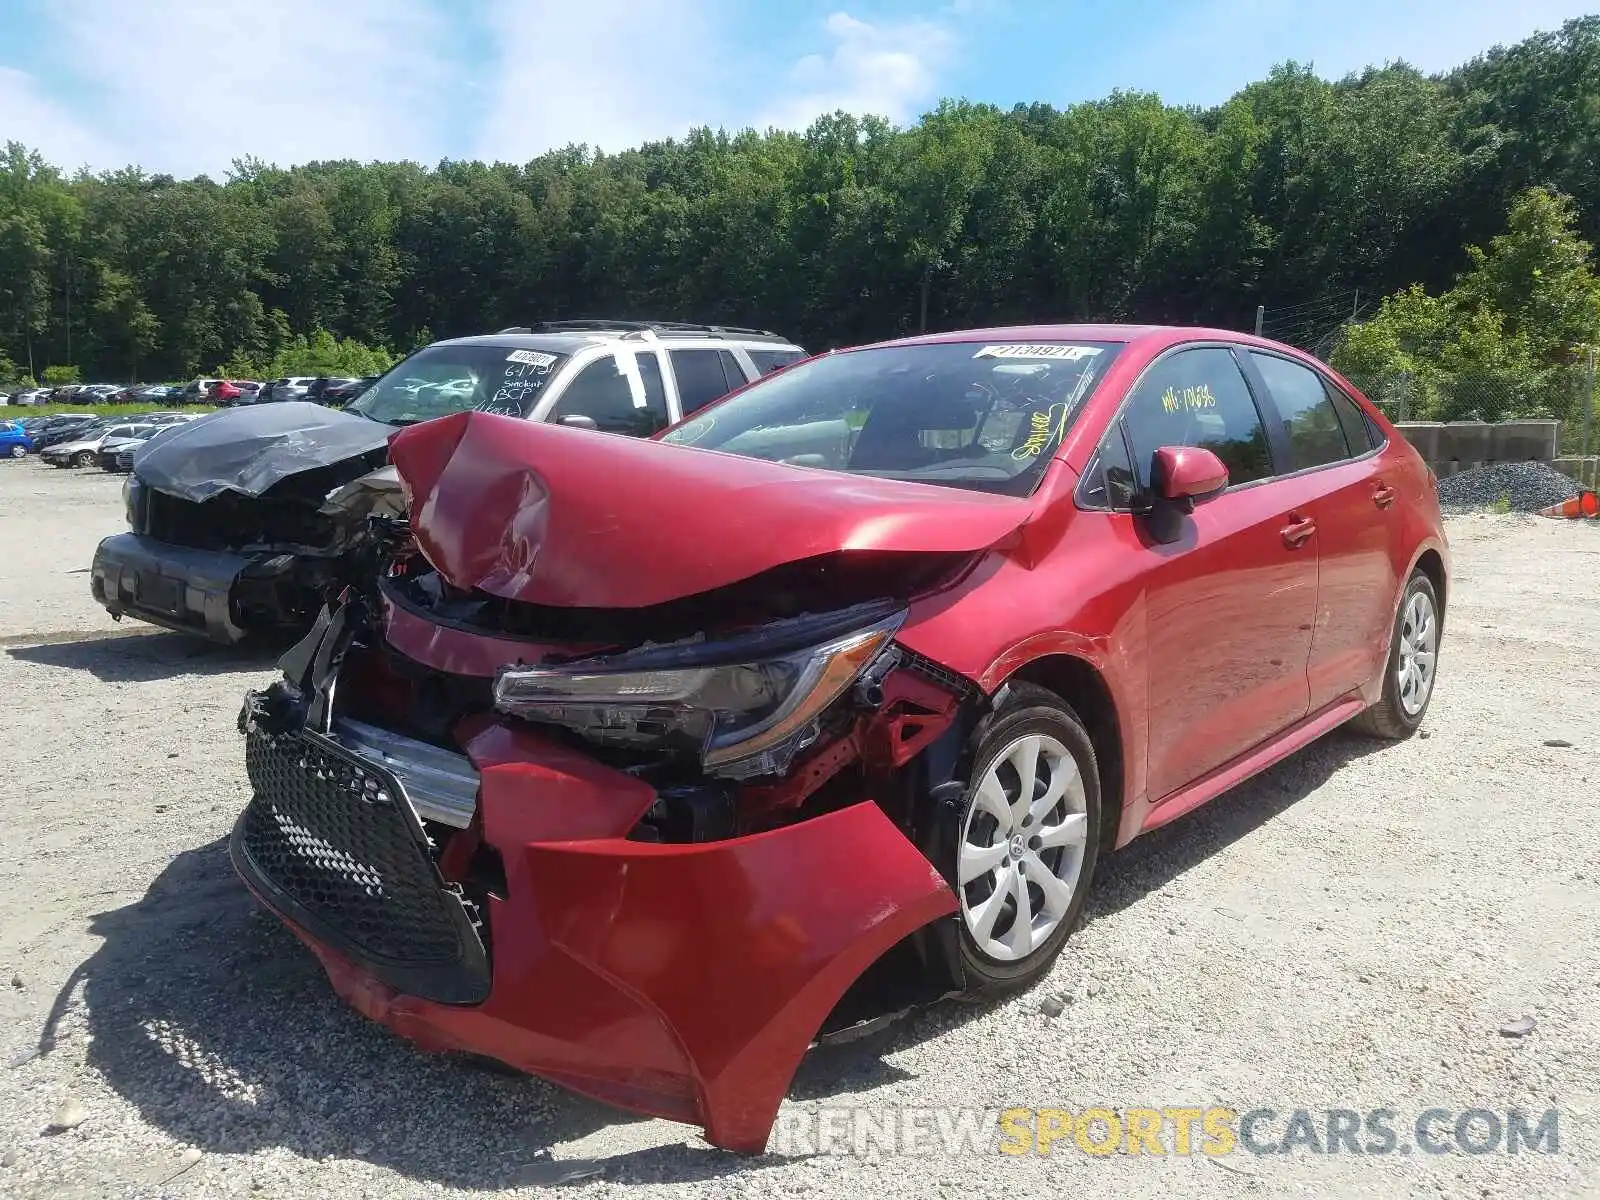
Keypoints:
pixel 684 981
pixel 176 587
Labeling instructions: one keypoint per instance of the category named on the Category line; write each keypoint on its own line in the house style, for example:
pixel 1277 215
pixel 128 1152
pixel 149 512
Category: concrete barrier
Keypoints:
pixel 1526 441
pixel 1469 443
pixel 1586 471
pixel 1424 435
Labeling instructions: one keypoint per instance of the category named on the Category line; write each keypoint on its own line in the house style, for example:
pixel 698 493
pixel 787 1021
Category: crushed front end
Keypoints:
pixel 651 853
pixel 240 522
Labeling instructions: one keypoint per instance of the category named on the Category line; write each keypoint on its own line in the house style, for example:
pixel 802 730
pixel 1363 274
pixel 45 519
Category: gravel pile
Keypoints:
pixel 1525 486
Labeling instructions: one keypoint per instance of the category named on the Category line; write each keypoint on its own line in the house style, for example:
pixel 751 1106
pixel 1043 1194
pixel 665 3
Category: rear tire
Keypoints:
pixel 1027 840
pixel 19 452
pixel 1410 671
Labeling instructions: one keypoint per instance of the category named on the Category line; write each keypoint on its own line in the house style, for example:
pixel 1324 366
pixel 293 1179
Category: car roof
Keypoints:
pixel 1158 336
pixel 571 341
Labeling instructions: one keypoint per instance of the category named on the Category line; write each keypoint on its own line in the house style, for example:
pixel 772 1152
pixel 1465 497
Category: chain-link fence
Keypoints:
pixel 1565 394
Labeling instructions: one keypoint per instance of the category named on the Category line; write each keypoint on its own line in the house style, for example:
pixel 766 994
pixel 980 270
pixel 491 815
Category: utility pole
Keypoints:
pixel 1355 305
pixel 1588 401
pixel 1261 316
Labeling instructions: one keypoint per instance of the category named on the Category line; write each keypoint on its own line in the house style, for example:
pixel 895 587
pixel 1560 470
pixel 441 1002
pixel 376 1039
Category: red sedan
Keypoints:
pixel 646 764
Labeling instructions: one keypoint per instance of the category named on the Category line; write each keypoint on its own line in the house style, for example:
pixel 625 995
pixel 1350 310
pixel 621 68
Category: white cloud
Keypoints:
pixel 608 73
pixel 1209 50
pixel 29 116
pixel 186 86
pixel 887 69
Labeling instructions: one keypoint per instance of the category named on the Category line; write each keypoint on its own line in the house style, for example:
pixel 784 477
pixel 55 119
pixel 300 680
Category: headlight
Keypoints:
pixel 744 718
pixel 130 500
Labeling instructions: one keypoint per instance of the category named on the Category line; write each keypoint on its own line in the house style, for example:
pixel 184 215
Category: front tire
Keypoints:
pixel 1027 841
pixel 84 458
pixel 1411 668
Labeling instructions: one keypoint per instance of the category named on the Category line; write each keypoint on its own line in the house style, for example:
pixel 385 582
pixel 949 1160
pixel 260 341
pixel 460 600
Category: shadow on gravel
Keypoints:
pixel 219 1027
pixel 118 657
pixel 1158 857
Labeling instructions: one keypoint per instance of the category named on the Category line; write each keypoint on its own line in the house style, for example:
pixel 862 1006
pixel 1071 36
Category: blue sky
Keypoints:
pixel 185 86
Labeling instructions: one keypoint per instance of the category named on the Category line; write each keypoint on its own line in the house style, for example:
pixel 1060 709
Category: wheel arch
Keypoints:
pixel 1084 688
pixel 1431 563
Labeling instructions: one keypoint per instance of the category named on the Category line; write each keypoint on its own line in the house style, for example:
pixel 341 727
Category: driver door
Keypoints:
pixel 1231 603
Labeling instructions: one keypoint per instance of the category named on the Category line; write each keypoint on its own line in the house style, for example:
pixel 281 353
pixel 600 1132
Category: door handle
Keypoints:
pixel 1382 494
pixel 1298 531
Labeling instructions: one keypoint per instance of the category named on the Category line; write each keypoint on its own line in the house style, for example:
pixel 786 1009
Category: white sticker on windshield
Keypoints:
pixel 1047 350
pixel 534 358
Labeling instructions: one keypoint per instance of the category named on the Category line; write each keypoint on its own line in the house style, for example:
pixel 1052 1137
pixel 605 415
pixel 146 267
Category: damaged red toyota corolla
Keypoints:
pixel 643 765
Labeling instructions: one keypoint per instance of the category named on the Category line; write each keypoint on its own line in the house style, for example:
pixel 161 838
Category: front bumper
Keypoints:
pixel 176 587
pixel 684 981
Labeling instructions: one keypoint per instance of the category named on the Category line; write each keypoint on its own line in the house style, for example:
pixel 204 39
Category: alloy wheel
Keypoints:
pixel 1419 644
pixel 1022 847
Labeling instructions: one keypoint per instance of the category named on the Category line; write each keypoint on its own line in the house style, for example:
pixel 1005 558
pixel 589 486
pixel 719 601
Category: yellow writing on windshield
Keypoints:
pixel 1190 399
pixel 1044 429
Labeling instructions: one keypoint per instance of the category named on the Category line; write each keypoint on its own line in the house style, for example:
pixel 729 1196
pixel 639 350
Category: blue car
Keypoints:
pixel 14 441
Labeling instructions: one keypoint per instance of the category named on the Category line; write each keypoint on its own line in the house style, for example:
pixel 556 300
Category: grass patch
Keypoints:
pixel 14 412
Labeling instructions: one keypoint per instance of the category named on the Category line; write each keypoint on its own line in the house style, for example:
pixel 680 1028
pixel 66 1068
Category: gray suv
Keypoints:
pixel 242 521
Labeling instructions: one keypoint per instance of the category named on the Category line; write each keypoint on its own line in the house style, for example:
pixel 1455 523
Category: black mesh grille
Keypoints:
pixel 334 843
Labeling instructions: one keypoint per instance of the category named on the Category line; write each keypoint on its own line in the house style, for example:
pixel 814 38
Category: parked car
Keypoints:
pixel 316 391
pixel 196 391
pixel 290 387
pixel 32 396
pixel 116 454
pixel 96 393
pixel 14 440
pixel 852 679
pixel 339 393
pixel 83 451
pixel 232 526
pixel 64 427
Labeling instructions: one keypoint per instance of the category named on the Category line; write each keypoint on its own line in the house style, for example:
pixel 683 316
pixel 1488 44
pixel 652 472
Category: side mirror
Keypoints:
pixel 1186 475
pixel 579 421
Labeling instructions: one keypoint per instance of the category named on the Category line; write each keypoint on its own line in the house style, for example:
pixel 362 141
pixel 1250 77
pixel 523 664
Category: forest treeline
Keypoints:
pixel 1298 194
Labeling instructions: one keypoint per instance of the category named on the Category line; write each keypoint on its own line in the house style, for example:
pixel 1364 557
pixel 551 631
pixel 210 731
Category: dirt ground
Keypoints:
pixel 1350 930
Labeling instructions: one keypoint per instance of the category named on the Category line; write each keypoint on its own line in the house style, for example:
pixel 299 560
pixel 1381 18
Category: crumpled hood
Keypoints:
pixel 248 450
pixel 546 514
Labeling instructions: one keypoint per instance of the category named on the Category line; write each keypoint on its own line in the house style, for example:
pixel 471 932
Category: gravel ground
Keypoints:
pixel 1517 486
pixel 1351 929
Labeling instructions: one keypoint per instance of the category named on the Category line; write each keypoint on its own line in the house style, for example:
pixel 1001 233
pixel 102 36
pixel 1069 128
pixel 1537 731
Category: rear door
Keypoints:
pixel 1230 602
pixel 1337 474
pixel 704 374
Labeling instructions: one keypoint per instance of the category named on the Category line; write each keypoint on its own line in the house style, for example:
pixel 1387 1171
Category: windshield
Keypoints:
pixel 441 380
pixel 980 415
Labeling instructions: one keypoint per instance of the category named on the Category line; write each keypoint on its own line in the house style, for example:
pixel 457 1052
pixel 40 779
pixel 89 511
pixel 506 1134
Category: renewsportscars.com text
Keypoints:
pixel 1178 1130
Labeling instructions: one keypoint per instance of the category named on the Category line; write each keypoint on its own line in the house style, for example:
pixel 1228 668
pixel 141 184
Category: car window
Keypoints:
pixel 768 361
pixel 700 377
pixel 1110 481
pixel 449 377
pixel 1198 398
pixel 601 393
pixel 1352 420
pixel 984 416
pixel 1309 418
pixel 732 370
pixel 655 391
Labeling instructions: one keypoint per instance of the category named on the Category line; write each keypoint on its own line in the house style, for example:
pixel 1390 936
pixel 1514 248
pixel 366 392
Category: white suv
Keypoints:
pixel 616 376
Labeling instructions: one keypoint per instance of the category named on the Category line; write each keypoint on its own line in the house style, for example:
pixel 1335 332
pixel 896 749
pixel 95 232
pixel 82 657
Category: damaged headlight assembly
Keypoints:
pixel 746 705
